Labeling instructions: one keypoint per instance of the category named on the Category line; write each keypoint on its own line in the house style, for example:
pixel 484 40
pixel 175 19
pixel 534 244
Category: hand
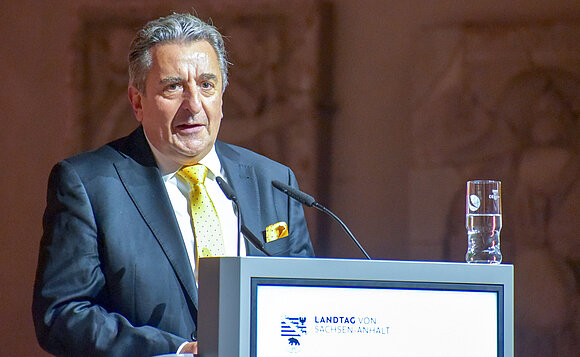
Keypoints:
pixel 190 348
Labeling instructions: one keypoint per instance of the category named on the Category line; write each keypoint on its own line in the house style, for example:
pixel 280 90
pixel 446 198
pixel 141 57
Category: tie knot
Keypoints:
pixel 194 174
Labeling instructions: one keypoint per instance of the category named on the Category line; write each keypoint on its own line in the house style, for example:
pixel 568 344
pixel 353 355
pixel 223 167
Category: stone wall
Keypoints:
pixel 502 101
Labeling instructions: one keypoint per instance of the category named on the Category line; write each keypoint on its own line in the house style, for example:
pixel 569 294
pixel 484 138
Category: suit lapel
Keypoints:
pixel 143 182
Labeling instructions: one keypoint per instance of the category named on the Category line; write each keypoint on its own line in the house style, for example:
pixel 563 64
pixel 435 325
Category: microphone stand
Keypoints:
pixel 239 215
pixel 248 235
pixel 331 214
pixel 308 200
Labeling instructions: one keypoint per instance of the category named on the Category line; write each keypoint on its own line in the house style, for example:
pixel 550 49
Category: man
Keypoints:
pixel 118 259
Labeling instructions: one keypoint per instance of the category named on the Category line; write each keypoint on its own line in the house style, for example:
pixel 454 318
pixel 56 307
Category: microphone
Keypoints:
pixel 251 237
pixel 248 235
pixel 227 189
pixel 308 200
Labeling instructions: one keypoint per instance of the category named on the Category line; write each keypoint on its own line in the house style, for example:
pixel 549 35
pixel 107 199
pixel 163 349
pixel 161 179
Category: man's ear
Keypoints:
pixel 136 103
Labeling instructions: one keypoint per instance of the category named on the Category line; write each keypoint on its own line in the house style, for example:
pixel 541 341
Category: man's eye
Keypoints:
pixel 206 85
pixel 172 87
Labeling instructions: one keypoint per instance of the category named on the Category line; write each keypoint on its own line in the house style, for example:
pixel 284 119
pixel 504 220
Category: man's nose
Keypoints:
pixel 192 99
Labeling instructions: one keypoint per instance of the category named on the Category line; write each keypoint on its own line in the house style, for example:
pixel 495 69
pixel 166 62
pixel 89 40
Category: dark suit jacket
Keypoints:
pixel 113 275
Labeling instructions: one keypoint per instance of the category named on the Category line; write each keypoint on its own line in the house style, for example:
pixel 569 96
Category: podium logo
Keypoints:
pixel 292 329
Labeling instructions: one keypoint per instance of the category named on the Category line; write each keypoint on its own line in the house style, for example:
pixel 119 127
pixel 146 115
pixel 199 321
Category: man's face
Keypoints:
pixel 181 111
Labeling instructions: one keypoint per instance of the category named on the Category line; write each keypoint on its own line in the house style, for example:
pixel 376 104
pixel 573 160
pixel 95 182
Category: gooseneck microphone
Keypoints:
pixel 248 235
pixel 309 201
pixel 251 237
pixel 231 195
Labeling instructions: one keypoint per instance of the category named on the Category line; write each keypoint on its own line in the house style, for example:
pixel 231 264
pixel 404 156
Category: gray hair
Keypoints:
pixel 171 29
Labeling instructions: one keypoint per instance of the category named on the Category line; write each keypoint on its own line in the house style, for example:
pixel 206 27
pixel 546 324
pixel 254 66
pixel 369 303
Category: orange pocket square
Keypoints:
pixel 276 231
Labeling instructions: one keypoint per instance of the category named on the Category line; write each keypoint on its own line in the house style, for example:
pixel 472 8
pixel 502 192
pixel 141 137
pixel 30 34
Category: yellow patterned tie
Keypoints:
pixel 206 224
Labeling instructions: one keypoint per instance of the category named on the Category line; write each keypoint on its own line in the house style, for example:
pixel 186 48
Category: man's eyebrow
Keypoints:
pixel 167 80
pixel 208 76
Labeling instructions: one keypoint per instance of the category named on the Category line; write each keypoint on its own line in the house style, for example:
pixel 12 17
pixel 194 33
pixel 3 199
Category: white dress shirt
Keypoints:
pixel 178 191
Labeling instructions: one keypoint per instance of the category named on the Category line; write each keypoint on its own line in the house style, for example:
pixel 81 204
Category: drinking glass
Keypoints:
pixel 483 221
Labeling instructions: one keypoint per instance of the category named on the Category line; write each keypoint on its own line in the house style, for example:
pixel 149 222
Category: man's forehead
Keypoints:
pixel 199 48
pixel 198 53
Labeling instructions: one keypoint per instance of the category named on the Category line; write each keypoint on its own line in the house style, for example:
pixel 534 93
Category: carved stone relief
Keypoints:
pixel 503 102
pixel 270 104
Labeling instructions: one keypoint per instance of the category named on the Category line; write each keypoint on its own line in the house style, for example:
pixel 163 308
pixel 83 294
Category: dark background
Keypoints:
pixel 381 174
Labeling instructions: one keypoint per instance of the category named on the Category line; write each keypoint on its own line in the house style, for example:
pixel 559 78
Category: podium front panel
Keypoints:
pixel 258 307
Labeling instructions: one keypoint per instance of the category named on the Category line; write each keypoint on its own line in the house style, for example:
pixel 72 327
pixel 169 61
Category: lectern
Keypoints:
pixel 263 307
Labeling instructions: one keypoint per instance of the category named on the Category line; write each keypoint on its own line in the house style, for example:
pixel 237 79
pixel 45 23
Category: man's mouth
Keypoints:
pixel 189 127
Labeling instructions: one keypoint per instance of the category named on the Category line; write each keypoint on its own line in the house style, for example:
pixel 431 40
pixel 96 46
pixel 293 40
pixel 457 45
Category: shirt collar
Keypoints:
pixel 167 167
pixel 212 162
